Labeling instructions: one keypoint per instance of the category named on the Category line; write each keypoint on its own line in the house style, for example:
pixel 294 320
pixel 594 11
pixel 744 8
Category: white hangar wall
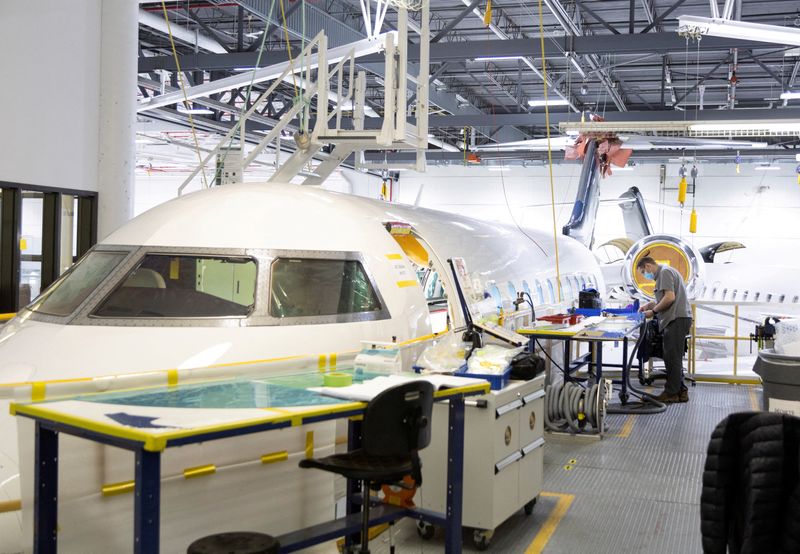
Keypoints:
pixel 759 208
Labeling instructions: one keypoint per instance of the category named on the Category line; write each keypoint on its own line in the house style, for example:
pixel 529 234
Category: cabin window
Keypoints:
pixel 769 297
pixel 539 291
pixel 724 294
pixel 782 298
pixel 498 299
pixel 745 294
pixel 567 292
pixel 551 289
pixel 795 299
pixel 583 283
pixel 527 289
pixel 184 286
pixel 755 299
pixel 576 287
pixel 714 293
pixel 301 287
pixel 703 292
pixel 78 283
pixel 512 291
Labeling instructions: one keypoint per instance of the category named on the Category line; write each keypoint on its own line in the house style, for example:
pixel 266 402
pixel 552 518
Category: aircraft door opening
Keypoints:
pixel 431 273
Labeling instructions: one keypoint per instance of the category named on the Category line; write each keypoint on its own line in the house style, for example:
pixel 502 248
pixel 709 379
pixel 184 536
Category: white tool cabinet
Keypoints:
pixel 503 463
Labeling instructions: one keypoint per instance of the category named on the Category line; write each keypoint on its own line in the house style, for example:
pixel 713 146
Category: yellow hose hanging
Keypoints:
pixel 183 90
pixel 549 149
pixel 487 15
pixel 693 221
pixel 682 186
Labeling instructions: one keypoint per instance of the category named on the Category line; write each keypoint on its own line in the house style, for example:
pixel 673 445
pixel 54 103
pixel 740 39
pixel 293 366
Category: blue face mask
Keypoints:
pixel 648 275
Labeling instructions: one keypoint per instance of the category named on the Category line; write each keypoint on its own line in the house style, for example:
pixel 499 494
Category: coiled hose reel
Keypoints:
pixel 572 408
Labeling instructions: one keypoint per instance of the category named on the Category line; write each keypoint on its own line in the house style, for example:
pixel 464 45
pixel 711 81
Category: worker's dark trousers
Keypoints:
pixel 674 341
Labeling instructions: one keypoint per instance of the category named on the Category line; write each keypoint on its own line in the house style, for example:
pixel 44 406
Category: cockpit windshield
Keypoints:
pixel 74 287
pixel 184 286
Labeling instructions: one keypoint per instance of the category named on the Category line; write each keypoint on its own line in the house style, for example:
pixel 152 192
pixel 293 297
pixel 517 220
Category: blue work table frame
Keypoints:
pixel 147 479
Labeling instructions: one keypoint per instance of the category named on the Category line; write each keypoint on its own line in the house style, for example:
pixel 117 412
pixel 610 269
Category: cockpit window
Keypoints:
pixel 71 290
pixel 301 287
pixel 184 286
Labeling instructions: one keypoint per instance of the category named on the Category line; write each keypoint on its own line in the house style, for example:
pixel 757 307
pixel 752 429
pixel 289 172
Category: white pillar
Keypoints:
pixel 117 113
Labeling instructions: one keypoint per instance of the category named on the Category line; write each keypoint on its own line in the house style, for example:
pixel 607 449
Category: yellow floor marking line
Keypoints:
pixel 754 403
pixel 551 523
pixel 627 427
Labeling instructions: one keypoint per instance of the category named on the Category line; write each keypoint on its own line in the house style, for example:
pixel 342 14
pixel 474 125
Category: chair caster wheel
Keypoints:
pixel 425 530
pixel 529 507
pixel 482 539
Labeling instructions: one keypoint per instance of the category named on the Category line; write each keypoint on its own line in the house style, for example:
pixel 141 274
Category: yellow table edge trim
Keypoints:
pixel 157 443
pixel 484 387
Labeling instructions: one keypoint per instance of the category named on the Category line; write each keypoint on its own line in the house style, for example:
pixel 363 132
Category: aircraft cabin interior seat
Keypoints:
pixel 145 278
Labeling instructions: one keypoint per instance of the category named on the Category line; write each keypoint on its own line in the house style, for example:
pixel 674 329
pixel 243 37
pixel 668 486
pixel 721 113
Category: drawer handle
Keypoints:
pixel 507 461
pixel 528 398
pixel 532 446
pixel 505 408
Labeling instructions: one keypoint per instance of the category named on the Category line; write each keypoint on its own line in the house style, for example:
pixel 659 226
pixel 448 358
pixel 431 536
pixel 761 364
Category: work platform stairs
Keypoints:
pixel 326 93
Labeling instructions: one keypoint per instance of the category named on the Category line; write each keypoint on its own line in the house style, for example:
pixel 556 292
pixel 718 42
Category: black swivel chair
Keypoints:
pixel 396 426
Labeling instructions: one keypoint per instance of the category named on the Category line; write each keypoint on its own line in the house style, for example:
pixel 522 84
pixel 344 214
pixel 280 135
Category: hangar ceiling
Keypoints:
pixel 621 59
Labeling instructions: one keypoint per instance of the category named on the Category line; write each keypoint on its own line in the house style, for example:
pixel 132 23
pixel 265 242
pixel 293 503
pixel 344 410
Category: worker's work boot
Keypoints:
pixel 683 396
pixel 668 398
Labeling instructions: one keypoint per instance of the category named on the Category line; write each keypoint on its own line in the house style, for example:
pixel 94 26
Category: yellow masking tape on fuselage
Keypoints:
pixel 113 489
pixel 172 377
pixel 10 506
pixel 333 360
pixel 38 391
pixel 409 283
pixel 394 256
pixel 275 457
pixel 309 445
pixel 6 317
pixel 322 362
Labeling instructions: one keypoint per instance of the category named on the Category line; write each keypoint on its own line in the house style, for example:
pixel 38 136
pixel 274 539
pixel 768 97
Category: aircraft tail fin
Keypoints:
pixel 584 213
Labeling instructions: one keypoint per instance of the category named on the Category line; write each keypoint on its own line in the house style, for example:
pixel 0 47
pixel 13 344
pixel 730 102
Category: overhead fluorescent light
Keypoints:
pixel 496 58
pixel 790 95
pixel 797 157
pixel 767 168
pixel 245 68
pixel 718 27
pixel 194 111
pixel 548 102
pixel 498 168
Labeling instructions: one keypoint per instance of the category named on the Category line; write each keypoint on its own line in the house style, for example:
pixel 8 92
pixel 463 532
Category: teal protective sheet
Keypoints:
pixel 280 391
pixel 222 395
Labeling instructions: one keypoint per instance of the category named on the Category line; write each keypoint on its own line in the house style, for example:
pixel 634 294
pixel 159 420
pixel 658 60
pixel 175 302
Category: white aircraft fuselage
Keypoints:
pixel 247 231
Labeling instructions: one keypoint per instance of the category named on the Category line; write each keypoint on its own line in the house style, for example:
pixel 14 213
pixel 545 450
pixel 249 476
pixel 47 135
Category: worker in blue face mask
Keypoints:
pixel 674 321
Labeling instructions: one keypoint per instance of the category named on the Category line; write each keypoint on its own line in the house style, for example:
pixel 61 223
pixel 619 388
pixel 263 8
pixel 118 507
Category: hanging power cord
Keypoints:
pixel 183 90
pixel 245 106
pixel 646 404
pixel 549 149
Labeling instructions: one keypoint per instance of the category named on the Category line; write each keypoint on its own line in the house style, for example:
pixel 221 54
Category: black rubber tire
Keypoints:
pixel 481 541
pixel 529 507
pixel 425 530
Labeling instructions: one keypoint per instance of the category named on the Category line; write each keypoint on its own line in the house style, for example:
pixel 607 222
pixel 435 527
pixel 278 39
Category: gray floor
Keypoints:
pixel 634 493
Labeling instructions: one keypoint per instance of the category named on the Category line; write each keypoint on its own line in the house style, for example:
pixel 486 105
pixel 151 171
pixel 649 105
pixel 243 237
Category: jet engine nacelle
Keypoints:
pixel 665 250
